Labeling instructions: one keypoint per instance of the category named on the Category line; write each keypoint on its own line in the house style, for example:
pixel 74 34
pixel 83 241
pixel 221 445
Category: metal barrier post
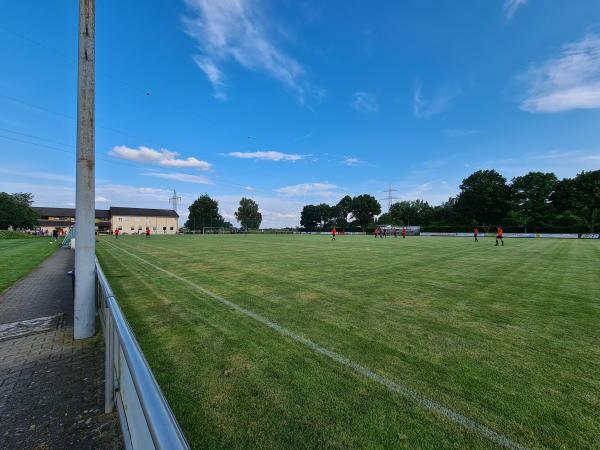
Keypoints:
pixel 109 390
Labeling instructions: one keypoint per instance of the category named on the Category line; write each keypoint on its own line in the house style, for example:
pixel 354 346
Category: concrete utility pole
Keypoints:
pixel 85 245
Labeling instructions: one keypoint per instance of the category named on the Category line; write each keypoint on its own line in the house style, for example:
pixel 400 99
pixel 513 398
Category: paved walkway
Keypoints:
pixel 51 387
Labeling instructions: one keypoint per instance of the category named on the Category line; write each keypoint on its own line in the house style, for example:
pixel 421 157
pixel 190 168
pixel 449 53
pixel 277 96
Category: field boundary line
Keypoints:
pixel 404 391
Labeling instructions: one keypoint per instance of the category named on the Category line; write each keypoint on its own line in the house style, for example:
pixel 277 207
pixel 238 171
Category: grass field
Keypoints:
pixel 506 336
pixel 18 257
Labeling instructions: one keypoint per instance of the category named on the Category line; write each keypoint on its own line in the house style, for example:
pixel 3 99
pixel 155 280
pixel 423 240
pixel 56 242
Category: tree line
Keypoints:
pixel 16 211
pixel 204 213
pixel 534 200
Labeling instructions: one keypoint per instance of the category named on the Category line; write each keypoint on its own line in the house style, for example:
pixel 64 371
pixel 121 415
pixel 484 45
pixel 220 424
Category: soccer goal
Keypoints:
pixel 213 230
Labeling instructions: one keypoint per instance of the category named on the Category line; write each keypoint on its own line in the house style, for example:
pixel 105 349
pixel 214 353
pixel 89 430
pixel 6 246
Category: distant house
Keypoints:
pixel 128 220
pixel 135 220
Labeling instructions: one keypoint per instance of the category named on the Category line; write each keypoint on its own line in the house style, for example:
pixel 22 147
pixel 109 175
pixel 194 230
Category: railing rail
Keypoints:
pixel 146 418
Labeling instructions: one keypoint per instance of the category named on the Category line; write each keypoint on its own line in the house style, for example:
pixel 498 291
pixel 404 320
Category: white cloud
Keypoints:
pixel 100 199
pixel 568 81
pixel 510 7
pixel 37 175
pixel 309 189
pixel 249 188
pixel 460 132
pixel 162 157
pixel 213 73
pixel 236 30
pixel 434 192
pixel 178 176
pixel 564 163
pixel 268 155
pixel 365 102
pixel 276 212
pixel 424 108
pixel 351 161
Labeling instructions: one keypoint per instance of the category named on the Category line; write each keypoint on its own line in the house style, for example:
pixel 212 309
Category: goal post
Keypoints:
pixel 213 230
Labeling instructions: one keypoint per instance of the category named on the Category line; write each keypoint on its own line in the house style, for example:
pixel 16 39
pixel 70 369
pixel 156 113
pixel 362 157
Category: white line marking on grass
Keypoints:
pixel 404 391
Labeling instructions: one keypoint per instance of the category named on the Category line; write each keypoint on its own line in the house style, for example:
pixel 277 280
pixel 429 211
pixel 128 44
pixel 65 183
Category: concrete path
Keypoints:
pixel 51 387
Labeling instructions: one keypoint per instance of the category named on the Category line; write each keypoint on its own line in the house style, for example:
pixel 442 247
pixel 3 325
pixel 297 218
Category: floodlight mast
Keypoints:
pixel 85 275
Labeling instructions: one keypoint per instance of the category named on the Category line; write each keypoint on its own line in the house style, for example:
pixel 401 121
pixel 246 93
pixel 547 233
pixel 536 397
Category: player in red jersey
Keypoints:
pixel 476 233
pixel 333 233
pixel 500 236
pixel 403 232
pixel 147 232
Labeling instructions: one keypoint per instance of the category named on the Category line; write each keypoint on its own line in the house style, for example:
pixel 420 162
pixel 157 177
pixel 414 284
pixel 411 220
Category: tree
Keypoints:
pixel 204 212
pixel 325 215
pixel 248 214
pixel 416 212
pixel 531 196
pixel 16 211
pixel 483 198
pixel 364 208
pixel 386 219
pixel 445 214
pixel 309 217
pixel 342 210
pixel 579 197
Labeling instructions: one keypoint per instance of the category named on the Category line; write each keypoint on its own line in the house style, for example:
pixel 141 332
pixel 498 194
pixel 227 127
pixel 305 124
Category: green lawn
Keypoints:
pixel 507 336
pixel 18 257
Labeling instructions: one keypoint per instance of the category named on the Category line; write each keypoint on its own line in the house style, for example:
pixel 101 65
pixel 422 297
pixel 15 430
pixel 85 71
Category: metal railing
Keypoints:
pixel 146 418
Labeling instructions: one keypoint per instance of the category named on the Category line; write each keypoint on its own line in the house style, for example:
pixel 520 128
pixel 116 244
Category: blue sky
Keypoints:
pixel 293 102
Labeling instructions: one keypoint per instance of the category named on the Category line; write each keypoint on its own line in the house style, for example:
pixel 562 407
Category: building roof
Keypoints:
pixel 54 223
pixel 119 211
pixel 44 211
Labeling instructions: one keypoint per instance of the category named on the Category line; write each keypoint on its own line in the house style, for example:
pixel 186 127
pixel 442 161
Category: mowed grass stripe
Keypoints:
pixel 392 385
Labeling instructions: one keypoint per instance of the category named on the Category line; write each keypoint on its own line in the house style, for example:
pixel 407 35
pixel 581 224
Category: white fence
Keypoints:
pixel 508 235
pixel 146 419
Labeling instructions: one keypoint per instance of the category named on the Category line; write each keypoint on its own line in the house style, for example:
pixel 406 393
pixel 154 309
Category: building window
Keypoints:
pixel 171 228
pixel 132 228
pixel 164 228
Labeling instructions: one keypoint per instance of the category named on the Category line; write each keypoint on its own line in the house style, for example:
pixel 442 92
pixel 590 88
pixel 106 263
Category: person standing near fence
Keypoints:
pixel 333 233
pixel 475 234
pixel 147 232
pixel 117 233
pixel 403 232
pixel 500 236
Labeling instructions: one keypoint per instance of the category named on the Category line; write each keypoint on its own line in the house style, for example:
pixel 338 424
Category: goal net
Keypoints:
pixel 213 230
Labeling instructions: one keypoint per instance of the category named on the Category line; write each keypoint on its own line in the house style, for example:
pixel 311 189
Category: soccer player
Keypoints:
pixel 117 233
pixel 147 232
pixel 333 233
pixel 403 232
pixel 475 233
pixel 376 233
pixel 500 236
